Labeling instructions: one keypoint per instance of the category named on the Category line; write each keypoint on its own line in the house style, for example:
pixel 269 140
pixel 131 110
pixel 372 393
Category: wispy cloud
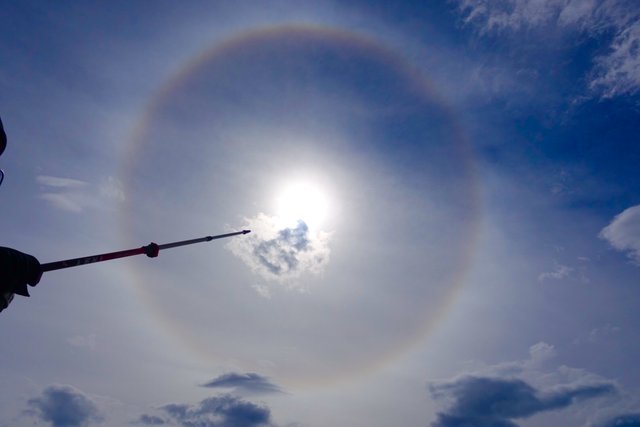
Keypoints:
pixel 73 195
pixel 279 253
pixel 616 72
pixel 59 182
pixel 83 341
pixel 623 233
pixel 67 201
pixel 598 335
pixel 249 383
pixel 64 406
pixel 559 272
pixel 624 420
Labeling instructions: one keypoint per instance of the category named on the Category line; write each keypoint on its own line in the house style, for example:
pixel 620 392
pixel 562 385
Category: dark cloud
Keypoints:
pixel 496 402
pixel 248 383
pixel 281 253
pixel 220 411
pixel 626 420
pixel 150 420
pixel 64 406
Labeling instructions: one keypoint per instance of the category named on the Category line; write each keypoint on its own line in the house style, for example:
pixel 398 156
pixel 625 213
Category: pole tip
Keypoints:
pixel 246 231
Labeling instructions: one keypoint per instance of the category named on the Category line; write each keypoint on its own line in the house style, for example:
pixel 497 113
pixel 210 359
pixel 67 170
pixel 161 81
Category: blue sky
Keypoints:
pixel 443 198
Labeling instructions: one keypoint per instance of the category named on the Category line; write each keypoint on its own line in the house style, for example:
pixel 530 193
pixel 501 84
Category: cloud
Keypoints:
pixel 280 253
pixel 219 411
pixel 64 201
pixel 541 352
pixel 616 72
pixel 623 233
pixel 486 401
pixel 626 420
pixel 151 420
pixel 491 15
pixel 507 392
pixel 599 335
pixel 112 189
pixel 83 341
pixel 560 272
pixel 64 406
pixel 73 195
pixel 248 383
pixel 55 181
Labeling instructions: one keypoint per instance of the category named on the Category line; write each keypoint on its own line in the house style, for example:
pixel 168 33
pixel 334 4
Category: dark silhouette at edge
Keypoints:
pixel 17 269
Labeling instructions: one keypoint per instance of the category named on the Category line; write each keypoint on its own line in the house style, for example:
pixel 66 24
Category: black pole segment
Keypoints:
pixel 201 239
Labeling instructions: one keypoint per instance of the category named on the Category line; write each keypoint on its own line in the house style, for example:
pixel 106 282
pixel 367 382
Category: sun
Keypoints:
pixel 302 201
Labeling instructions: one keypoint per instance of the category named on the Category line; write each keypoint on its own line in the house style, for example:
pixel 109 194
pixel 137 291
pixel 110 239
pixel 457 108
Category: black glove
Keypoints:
pixel 17 270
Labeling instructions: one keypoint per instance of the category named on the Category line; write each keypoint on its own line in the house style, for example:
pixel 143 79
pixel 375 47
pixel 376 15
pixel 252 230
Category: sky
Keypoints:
pixel 443 198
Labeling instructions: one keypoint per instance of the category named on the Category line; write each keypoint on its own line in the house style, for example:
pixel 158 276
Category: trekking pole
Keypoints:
pixel 151 250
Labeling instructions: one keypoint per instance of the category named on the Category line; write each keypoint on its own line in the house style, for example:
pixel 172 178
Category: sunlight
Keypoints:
pixel 302 201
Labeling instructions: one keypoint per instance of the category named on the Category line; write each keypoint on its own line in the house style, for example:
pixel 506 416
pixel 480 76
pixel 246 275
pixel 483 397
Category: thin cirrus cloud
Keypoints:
pixel 559 272
pixel 76 196
pixel 615 72
pixel 83 341
pixel 60 182
pixel 624 420
pixel 623 233
pixel 249 383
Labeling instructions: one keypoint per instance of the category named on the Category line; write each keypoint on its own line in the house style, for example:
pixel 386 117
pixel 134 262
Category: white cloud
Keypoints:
pixel 281 254
pixel 83 341
pixel 623 233
pixel 112 189
pixel 560 272
pixel 541 352
pixel 539 369
pixel 511 14
pixel 539 355
pixel 616 72
pixel 73 195
pixel 64 201
pixel 598 335
pixel 56 181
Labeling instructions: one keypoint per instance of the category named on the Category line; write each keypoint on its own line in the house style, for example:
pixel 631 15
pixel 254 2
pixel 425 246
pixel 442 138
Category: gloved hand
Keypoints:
pixel 17 270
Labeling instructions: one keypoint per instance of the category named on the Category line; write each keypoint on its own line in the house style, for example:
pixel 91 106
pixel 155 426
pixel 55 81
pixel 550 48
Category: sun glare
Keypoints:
pixel 302 201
